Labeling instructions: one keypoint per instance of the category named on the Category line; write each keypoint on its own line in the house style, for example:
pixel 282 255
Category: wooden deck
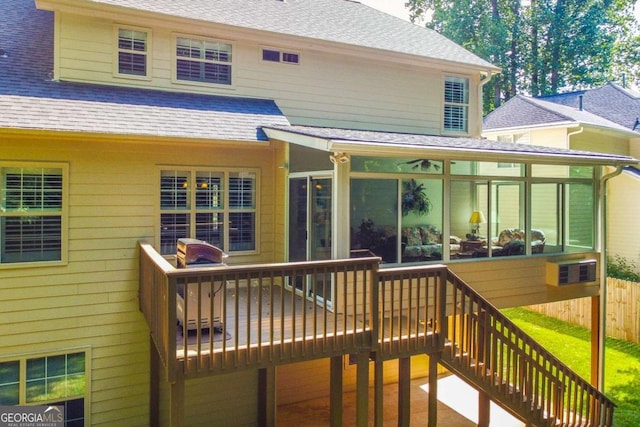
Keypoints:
pixel 393 313
pixel 301 318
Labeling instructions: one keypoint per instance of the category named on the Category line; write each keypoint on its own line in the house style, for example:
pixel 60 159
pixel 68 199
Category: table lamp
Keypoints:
pixel 477 218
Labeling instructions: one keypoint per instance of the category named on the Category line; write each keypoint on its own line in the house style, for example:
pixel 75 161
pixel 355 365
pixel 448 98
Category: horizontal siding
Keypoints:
pixel 324 89
pixel 519 281
pixel 622 222
pixel 229 400
pixel 92 301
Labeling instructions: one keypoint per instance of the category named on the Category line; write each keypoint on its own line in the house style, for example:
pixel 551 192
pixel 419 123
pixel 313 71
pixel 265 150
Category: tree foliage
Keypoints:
pixel 542 46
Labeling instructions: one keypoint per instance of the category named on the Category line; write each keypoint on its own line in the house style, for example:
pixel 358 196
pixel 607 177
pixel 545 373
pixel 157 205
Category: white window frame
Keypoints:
pixel 25 213
pixel 515 138
pixel 458 102
pixel 22 379
pixel 188 205
pixel 146 53
pixel 196 82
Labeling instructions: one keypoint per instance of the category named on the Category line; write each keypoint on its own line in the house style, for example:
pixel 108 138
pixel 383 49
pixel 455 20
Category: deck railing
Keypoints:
pixel 214 319
pixel 412 305
pixel 280 313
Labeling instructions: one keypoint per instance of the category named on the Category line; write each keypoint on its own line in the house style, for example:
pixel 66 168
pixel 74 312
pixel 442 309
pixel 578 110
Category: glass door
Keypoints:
pixel 310 229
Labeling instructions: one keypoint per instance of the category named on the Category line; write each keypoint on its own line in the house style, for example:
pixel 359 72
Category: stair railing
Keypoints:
pixel 491 352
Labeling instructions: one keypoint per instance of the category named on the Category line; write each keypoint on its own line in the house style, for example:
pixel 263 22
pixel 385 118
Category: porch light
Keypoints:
pixel 477 218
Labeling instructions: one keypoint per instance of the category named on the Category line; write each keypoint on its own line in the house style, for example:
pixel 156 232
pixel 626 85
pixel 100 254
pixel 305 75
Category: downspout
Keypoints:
pixel 603 273
pixel 483 82
pixel 570 134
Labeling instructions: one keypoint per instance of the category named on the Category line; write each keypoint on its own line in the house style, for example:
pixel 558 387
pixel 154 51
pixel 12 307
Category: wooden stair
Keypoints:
pixel 493 355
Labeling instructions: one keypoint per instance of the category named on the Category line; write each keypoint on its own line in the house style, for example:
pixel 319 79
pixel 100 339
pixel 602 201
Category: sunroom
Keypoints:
pixel 353 194
pixel 417 198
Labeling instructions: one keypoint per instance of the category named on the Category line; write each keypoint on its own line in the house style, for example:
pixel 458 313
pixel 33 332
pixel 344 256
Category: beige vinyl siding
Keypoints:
pixel 324 89
pixel 520 281
pixel 93 300
pixel 228 400
pixel 555 137
pixel 622 217
pixel 600 142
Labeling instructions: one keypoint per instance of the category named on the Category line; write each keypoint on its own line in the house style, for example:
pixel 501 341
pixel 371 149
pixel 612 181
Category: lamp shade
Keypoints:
pixel 477 217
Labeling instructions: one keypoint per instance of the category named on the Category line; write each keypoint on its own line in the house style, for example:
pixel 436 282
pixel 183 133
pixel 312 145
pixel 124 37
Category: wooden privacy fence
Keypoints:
pixel 623 315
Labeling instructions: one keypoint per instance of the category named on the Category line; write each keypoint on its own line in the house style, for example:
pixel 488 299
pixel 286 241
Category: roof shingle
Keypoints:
pixel 342 21
pixel 29 99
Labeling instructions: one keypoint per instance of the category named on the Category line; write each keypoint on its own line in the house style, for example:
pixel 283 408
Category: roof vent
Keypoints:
pixel 3 53
pixel 580 102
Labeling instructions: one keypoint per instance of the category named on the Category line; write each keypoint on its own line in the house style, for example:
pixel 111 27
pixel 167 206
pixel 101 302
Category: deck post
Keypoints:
pixel 335 392
pixel 484 409
pixel 433 390
pixel 404 391
pixel 267 397
pixel 362 389
pixel 176 402
pixel 595 341
pixel 378 399
pixel 154 384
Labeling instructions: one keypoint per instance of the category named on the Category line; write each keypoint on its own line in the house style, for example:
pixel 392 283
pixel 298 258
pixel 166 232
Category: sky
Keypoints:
pixel 396 7
pixel 392 7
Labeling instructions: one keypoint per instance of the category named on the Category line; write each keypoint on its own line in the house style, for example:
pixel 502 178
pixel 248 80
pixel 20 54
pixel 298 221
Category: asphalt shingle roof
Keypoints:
pixel 29 99
pixel 342 21
pixel 358 138
pixel 521 111
pixel 612 102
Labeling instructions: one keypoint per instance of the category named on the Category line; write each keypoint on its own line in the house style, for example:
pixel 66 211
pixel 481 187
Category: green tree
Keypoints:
pixel 542 46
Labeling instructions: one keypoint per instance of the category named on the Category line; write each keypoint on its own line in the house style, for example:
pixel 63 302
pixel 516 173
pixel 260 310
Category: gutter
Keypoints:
pixel 603 274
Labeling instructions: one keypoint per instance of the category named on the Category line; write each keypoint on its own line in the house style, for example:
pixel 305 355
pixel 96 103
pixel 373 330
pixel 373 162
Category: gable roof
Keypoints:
pixel 611 101
pixel 524 112
pixel 434 147
pixel 30 100
pixel 345 22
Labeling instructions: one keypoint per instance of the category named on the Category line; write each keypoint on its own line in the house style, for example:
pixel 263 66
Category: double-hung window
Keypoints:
pixel 217 206
pixel 56 380
pixel 31 213
pixel 133 52
pixel 456 104
pixel 203 61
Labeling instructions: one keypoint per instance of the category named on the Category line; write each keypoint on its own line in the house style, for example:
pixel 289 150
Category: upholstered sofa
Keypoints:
pixel 422 242
pixel 510 241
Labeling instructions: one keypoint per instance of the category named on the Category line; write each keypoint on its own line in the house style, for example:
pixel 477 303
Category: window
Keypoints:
pixel 399 220
pixel 31 214
pixel 58 379
pixel 456 104
pixel 274 55
pixel 133 48
pixel 204 61
pixel 217 206
pixel 515 138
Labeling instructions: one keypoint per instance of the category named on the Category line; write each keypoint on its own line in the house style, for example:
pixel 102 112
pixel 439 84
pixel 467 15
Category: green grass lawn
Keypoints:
pixel 572 345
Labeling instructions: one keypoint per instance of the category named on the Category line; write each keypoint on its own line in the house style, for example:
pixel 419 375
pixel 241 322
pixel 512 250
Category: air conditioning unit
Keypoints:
pixel 569 272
